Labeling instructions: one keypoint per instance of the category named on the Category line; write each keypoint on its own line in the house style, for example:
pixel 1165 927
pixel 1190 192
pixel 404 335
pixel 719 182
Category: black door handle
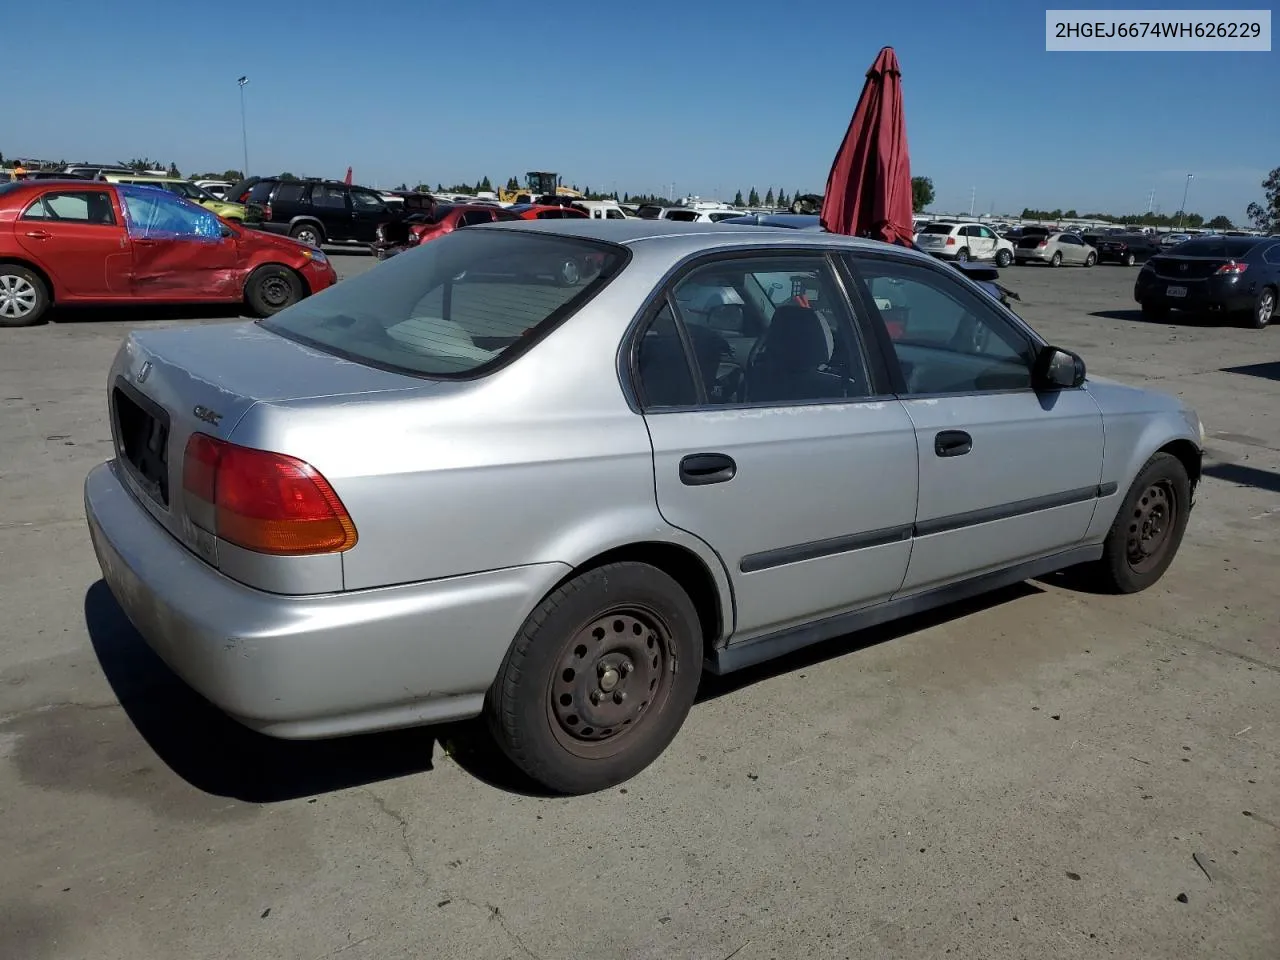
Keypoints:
pixel 952 443
pixel 698 469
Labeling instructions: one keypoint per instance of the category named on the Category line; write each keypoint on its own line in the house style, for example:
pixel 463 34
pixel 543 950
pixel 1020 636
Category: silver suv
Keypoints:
pixel 456 485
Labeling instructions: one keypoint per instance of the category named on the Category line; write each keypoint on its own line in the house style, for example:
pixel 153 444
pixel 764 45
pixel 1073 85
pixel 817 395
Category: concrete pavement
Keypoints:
pixel 1029 775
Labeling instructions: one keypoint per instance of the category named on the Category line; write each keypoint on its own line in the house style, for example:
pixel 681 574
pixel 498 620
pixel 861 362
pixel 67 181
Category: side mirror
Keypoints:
pixel 1058 369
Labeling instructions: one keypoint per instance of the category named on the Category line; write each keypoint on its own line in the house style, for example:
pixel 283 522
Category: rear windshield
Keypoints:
pixel 459 306
pixel 938 228
pixel 649 212
pixel 685 215
pixel 1228 247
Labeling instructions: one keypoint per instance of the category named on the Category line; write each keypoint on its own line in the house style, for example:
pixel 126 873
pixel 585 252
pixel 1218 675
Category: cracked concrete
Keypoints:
pixel 930 790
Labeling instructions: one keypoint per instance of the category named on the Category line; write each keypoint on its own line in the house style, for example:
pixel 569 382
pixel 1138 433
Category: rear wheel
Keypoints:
pixel 308 233
pixel 23 296
pixel 1148 528
pixel 962 255
pixel 1090 260
pixel 1003 258
pixel 1263 308
pixel 271 288
pixel 599 679
pixel 1056 261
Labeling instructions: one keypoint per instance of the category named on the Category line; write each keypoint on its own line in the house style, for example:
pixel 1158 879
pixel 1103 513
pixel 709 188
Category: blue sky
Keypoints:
pixel 714 97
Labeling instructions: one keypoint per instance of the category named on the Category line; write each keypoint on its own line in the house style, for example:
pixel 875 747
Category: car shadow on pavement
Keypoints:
pixel 212 752
pixel 1270 370
pixel 717 686
pixel 1243 476
pixel 147 313
pixel 1174 319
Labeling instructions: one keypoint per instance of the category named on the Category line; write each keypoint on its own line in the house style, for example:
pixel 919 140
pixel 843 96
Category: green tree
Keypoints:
pixel 287 176
pixel 1220 222
pixel 753 198
pixel 782 200
pixel 1266 215
pixel 439 187
pixel 921 193
pixel 513 183
pixel 422 188
pixel 768 197
pixel 484 185
pixel 1071 214
pixel 173 170
pixel 737 199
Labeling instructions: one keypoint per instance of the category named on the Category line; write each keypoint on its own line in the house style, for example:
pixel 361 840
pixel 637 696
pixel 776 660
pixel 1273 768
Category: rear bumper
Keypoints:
pixel 1216 294
pixel 310 667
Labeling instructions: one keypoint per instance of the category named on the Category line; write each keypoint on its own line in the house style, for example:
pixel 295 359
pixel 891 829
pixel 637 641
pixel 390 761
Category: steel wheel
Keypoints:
pixel 611 674
pixel 1056 261
pixel 276 291
pixel 1155 515
pixel 18 297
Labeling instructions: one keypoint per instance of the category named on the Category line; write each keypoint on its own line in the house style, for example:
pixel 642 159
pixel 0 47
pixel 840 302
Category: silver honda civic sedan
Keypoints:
pixel 550 472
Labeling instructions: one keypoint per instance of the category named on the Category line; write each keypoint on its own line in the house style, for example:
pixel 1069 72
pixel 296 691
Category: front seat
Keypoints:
pixel 791 363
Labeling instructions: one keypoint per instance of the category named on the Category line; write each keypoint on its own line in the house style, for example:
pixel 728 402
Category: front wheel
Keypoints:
pixel 1147 530
pixel 271 288
pixel 1130 260
pixel 1003 258
pixel 599 680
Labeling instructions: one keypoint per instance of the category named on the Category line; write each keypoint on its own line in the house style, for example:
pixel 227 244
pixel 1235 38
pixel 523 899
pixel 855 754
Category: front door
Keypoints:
pixel 78 236
pixel 1006 474
pixel 367 211
pixel 179 250
pixel 772 442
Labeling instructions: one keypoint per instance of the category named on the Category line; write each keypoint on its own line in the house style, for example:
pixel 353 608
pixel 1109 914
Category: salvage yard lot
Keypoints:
pixel 1025 775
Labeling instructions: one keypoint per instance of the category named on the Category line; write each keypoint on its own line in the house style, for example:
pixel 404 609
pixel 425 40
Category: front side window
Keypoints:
pixel 458 306
pixel 154 213
pixel 363 200
pixel 80 206
pixel 947 339
pixel 328 198
pixel 772 331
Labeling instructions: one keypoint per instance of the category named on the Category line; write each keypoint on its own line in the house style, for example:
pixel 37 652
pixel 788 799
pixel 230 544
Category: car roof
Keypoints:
pixel 676 232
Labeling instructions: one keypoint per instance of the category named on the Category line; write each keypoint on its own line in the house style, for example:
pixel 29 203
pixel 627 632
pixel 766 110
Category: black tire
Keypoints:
pixel 1003 258
pixel 271 288
pixel 24 298
pixel 1154 311
pixel 1129 561
pixel 1090 260
pixel 1263 308
pixel 1056 260
pixel 312 234
pixel 1130 260
pixel 962 255
pixel 540 709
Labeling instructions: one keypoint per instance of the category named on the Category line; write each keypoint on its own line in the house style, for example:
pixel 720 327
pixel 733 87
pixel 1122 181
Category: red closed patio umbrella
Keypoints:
pixel 347 181
pixel 869 189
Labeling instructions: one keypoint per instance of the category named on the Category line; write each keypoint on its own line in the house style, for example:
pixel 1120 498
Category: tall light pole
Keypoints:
pixel 244 130
pixel 1183 209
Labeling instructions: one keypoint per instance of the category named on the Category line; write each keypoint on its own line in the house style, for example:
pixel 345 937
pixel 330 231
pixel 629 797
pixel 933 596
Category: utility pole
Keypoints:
pixel 244 130
pixel 973 195
pixel 1183 209
pixel 1151 200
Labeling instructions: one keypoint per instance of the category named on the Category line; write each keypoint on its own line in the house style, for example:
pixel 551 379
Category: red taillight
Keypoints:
pixel 266 211
pixel 265 502
pixel 1042 243
pixel 1233 269
pixel 951 242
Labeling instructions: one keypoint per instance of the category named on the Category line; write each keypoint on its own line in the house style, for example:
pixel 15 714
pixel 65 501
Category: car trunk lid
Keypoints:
pixel 1187 268
pixel 166 385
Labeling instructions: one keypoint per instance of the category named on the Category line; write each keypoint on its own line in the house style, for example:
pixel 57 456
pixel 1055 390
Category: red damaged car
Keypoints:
pixel 87 242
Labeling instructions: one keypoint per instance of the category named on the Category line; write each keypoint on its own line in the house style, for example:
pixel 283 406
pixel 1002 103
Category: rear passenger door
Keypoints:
pixel 1006 474
pixel 330 206
pixel 773 440
pixel 78 236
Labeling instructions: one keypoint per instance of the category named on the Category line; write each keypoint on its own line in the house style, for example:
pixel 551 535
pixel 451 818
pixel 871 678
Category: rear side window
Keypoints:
pixel 459 306
pixel 80 206
pixel 261 191
pixel 943 228
pixel 682 215
pixel 328 198
pixel 289 193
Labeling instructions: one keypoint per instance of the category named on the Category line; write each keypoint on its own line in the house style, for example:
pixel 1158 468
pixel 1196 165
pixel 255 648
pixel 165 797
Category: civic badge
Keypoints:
pixel 144 371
